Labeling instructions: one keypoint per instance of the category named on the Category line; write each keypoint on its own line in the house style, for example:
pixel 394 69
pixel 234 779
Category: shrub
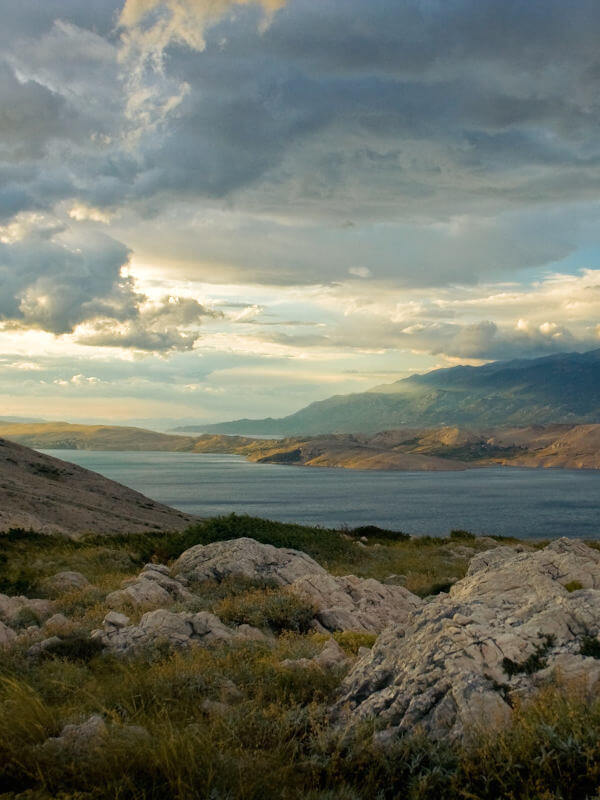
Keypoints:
pixel 573 586
pixel 277 609
pixel 75 647
pixel 436 588
pixel 534 663
pixel 590 646
pixel 351 641
pixel 379 534
pixel 461 535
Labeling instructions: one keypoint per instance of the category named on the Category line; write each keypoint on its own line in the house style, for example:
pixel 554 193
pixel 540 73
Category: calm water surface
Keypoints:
pixel 523 502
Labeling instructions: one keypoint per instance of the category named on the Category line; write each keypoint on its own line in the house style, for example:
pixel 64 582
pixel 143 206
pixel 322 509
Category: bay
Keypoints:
pixel 528 503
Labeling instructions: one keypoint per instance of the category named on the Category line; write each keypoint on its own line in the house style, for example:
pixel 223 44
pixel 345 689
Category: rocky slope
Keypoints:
pixel 514 623
pixel 448 448
pixel 448 665
pixel 44 494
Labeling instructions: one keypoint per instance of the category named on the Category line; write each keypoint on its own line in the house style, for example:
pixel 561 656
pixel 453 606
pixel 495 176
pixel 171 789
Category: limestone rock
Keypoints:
pixel 77 738
pixel 12 609
pixel 355 604
pixel 66 581
pixel 80 739
pixel 115 620
pixel 58 624
pixel 245 557
pixel 330 657
pixel 457 661
pixel 252 634
pixel 153 588
pixel 163 627
pixel 7 636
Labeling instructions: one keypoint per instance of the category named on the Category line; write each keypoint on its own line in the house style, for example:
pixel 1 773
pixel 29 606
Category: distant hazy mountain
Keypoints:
pixel 558 388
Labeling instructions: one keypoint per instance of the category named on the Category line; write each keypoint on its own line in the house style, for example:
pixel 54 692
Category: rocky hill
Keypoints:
pixel 44 494
pixel 450 448
pixel 559 388
pixel 413 449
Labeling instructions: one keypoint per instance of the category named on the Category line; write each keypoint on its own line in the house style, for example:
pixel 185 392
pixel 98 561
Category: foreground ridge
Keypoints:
pixel 515 622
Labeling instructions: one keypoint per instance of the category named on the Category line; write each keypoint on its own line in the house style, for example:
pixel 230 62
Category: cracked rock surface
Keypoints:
pixel 247 558
pixel 176 630
pixel 355 604
pixel 152 587
pixel 461 660
pixel 343 603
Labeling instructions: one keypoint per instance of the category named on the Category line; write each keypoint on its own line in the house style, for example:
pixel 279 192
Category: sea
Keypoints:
pixel 507 501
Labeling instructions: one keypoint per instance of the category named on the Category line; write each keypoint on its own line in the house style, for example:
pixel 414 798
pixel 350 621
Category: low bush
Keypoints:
pixel 465 536
pixel 276 609
pixel 590 646
pixel 573 586
pixel 533 663
pixel 352 641
pixel 77 646
pixel 372 532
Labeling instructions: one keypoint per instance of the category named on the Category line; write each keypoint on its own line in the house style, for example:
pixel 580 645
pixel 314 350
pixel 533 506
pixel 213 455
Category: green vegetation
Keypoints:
pixel 533 663
pixel 573 586
pixel 269 738
pixel 231 722
pixel 590 646
pixel 276 609
pixel 27 557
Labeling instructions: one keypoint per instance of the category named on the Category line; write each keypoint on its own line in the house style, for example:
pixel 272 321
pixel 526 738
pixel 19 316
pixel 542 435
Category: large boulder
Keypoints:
pixel 343 603
pixel 66 581
pixel 460 661
pixel 246 558
pixel 162 627
pixel 355 604
pixel 152 588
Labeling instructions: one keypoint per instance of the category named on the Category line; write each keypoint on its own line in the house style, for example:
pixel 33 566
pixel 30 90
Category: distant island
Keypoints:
pixel 411 449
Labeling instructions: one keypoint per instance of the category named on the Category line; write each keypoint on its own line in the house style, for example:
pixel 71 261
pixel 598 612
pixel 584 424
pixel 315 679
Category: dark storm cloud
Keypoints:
pixel 399 118
pixel 54 285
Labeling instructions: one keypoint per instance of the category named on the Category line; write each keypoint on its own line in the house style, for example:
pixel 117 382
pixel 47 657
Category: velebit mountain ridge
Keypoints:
pixel 534 413
pixel 560 388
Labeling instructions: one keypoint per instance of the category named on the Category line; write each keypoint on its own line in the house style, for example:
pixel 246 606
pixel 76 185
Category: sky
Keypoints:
pixel 214 209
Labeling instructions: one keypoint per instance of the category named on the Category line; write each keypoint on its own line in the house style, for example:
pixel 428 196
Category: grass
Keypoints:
pixel 265 730
pixel 272 740
pixel 276 609
pixel 27 558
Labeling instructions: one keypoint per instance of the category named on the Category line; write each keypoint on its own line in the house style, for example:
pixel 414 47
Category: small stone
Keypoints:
pixel 214 707
pixel 57 624
pixel 65 581
pixel 331 656
pixel 115 620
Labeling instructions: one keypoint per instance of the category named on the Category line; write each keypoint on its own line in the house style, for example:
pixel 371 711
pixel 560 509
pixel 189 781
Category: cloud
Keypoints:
pixel 63 281
pixel 53 279
pixel 167 325
pixel 149 27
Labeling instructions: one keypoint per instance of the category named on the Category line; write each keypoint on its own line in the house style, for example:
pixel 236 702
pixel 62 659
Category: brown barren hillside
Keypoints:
pixel 44 494
pixel 426 449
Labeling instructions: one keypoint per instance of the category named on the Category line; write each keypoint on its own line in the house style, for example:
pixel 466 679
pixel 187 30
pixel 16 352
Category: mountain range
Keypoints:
pixel 562 388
